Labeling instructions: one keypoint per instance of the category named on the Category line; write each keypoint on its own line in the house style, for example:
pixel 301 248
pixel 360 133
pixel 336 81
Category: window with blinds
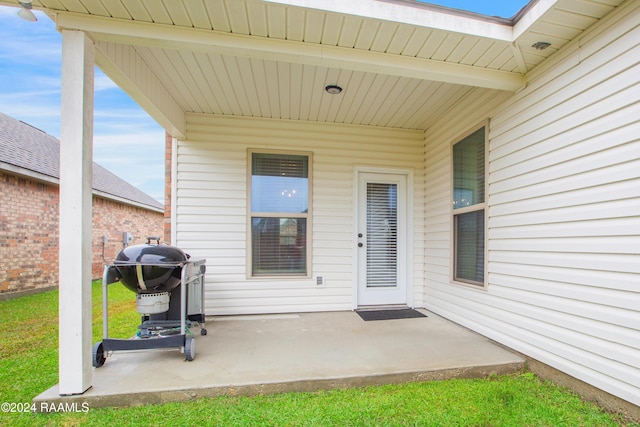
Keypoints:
pixel 279 194
pixel 469 208
pixel 382 235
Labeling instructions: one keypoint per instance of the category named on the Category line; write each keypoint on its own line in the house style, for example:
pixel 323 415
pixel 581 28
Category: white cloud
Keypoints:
pixel 102 82
pixel 137 156
pixel 6 11
pixel 121 116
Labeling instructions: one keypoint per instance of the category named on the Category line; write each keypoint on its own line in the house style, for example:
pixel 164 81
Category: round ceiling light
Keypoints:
pixel 333 89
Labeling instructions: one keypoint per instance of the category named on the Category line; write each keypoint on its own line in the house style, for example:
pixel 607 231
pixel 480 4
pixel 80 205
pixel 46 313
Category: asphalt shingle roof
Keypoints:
pixel 26 147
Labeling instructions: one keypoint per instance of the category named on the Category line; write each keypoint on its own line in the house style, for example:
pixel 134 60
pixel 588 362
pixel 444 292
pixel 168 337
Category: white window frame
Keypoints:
pixel 308 215
pixel 473 208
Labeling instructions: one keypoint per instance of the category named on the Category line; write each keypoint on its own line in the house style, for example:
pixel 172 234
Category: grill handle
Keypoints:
pixel 149 239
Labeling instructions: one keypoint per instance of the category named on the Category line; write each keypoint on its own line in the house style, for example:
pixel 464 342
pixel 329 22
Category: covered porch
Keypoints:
pixel 249 355
pixel 406 70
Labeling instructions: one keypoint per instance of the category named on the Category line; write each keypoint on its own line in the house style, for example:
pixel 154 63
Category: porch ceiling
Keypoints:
pixel 401 63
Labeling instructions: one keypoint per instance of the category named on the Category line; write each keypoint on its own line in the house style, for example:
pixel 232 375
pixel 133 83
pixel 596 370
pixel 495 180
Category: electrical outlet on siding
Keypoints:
pixel 320 281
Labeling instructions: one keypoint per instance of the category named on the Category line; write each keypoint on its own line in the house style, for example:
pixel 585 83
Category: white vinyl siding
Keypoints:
pixel 564 213
pixel 211 197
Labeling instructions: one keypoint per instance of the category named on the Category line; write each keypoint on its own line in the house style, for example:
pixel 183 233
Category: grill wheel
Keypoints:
pixel 98 355
pixel 189 348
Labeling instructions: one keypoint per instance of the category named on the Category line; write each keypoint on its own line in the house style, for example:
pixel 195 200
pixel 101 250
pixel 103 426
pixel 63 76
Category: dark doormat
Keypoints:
pixel 405 313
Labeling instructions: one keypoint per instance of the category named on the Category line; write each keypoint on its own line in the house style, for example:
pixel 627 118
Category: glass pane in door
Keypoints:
pixel 382 235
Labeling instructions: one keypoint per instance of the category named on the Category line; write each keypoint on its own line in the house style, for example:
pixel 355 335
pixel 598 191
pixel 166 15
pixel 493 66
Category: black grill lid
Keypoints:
pixel 151 254
pixel 150 268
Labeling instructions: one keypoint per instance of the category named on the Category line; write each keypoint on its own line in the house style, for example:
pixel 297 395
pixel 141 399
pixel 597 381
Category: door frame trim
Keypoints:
pixel 408 173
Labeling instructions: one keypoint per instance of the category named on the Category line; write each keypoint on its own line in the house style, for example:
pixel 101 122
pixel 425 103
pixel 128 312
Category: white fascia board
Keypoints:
pixel 128 202
pixel 172 37
pixel 27 173
pixel 409 14
pixel 532 15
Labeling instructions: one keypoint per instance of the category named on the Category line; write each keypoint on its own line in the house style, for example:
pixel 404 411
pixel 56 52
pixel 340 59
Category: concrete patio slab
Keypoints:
pixel 247 355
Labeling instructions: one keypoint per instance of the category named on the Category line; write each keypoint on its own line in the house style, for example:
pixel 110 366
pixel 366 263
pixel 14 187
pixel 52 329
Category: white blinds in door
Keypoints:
pixel 382 235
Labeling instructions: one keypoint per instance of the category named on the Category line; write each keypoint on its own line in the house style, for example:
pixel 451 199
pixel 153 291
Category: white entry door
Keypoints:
pixel 382 239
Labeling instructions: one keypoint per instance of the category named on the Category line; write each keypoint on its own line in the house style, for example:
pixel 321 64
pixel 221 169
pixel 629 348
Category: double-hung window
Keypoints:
pixel 279 190
pixel 469 209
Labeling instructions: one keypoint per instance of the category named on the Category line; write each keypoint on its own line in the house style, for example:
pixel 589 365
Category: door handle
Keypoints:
pixel 360 245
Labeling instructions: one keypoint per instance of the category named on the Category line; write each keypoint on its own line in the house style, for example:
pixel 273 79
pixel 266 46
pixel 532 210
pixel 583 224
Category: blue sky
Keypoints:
pixel 501 8
pixel 126 140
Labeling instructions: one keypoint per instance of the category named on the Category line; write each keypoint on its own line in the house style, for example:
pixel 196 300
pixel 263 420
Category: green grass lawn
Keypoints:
pixel 29 357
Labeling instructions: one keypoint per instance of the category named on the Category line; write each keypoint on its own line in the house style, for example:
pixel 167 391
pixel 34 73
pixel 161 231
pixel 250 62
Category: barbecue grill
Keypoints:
pixel 169 287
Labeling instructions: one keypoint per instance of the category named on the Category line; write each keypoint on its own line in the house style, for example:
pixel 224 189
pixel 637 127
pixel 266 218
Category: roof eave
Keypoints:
pixel 167 36
pixel 46 179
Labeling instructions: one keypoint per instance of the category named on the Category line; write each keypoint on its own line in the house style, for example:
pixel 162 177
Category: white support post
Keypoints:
pixel 76 175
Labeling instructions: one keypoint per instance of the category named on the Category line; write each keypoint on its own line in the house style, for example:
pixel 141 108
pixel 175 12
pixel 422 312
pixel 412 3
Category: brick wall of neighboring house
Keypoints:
pixel 29 232
pixel 111 219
